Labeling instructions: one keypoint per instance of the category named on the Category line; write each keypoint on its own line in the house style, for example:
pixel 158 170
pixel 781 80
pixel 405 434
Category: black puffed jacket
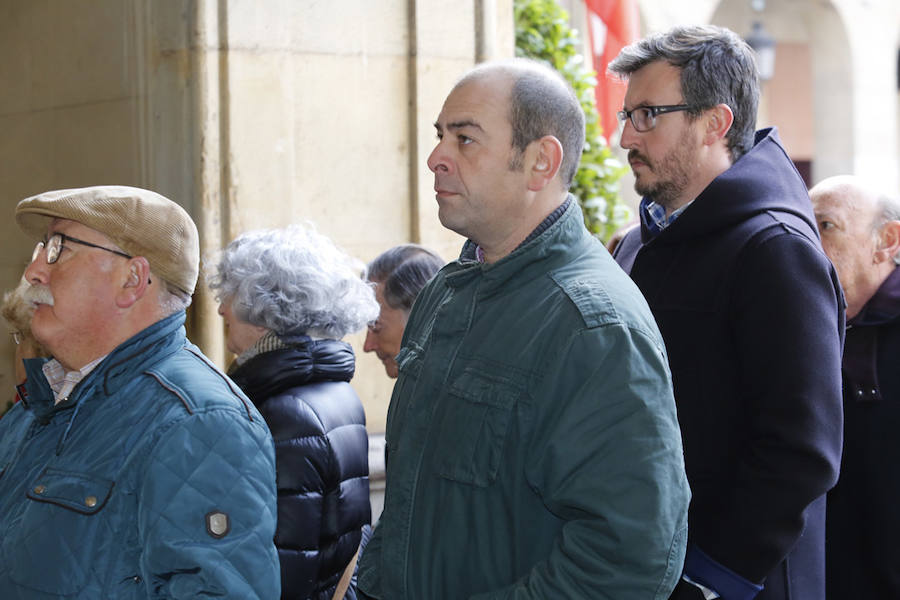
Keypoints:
pixel 321 457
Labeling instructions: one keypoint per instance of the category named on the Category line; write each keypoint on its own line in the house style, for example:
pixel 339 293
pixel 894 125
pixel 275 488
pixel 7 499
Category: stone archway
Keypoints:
pixel 810 98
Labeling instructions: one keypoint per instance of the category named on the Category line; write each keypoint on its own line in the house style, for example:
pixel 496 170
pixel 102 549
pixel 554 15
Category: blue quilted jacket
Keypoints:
pixel 155 479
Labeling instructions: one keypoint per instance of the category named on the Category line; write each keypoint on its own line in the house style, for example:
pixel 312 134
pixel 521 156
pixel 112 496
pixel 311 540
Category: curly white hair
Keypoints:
pixel 294 281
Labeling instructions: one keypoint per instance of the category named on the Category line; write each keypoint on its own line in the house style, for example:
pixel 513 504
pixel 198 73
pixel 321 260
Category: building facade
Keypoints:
pixel 258 114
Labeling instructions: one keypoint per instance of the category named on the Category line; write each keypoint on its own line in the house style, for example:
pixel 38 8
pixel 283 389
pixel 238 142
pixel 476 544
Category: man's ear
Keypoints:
pixel 137 280
pixel 719 119
pixel 545 156
pixel 888 242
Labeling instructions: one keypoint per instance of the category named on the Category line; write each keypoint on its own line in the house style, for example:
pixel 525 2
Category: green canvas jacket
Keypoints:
pixel 533 446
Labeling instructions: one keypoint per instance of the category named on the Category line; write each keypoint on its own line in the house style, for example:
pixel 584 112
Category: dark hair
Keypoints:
pixel 717 67
pixel 541 103
pixel 404 270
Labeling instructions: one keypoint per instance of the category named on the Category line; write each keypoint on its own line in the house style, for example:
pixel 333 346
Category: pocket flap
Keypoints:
pixel 483 388
pixel 408 361
pixel 472 434
pixel 81 492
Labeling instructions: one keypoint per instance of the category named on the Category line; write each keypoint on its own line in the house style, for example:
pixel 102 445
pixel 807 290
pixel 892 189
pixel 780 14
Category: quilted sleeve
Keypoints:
pixel 206 509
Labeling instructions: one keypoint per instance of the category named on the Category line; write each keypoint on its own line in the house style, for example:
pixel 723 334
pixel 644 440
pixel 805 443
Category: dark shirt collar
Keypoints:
pixel 544 226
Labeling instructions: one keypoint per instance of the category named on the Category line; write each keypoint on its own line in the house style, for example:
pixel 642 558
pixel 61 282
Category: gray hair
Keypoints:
pixel 17 309
pixel 888 210
pixel 717 67
pixel 294 281
pixel 403 271
pixel 171 297
pixel 541 103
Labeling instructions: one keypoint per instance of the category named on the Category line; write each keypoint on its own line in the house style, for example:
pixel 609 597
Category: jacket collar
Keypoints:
pixel 132 356
pixel 742 192
pixel 883 306
pixel 860 361
pixel 302 361
pixel 547 238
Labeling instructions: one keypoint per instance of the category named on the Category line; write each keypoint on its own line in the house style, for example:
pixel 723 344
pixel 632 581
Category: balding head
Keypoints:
pixel 541 103
pixel 860 231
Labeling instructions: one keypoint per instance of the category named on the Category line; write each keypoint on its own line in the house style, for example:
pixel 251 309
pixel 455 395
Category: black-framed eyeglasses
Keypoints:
pixel 644 117
pixel 54 246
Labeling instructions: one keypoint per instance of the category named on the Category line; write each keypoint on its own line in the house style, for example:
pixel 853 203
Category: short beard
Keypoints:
pixel 673 173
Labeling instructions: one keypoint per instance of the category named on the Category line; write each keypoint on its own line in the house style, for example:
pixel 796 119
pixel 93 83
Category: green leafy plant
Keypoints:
pixel 543 32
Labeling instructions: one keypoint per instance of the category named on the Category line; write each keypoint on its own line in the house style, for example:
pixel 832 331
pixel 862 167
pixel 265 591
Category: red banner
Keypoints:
pixel 612 25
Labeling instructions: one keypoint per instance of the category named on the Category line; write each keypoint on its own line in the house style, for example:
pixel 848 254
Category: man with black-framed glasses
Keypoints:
pixel 728 257
pixel 54 246
pixel 131 467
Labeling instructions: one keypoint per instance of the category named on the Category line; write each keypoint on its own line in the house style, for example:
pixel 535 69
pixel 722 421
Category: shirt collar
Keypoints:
pixel 267 343
pixel 544 226
pixel 62 382
pixel 654 215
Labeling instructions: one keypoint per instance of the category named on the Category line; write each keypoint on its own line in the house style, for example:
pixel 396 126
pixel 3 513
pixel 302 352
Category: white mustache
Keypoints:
pixel 38 294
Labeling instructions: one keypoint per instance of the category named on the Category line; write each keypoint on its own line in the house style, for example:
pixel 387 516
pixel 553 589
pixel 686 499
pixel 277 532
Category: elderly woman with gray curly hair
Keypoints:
pixel 288 296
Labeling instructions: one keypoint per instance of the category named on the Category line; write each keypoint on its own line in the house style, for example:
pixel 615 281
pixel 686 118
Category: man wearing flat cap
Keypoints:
pixel 132 468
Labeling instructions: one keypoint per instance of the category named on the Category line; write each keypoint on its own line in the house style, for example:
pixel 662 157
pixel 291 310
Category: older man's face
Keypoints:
pixel 386 333
pixel 846 223
pixel 75 297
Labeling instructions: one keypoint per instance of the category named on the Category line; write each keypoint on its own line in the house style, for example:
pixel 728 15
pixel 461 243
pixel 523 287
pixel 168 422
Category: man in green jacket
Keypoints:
pixel 533 446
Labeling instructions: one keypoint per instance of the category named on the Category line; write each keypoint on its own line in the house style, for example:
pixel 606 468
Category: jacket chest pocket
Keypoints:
pixel 473 430
pixel 62 524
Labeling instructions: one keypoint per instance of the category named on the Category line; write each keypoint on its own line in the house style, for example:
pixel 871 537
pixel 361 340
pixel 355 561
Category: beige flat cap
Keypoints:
pixel 140 222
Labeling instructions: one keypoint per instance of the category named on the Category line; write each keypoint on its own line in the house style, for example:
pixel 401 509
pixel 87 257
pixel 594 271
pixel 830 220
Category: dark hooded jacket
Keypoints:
pixel 321 457
pixel 863 521
pixel 753 318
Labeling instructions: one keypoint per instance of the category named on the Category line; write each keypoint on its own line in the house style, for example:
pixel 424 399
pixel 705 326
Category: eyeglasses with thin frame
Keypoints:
pixel 55 244
pixel 644 117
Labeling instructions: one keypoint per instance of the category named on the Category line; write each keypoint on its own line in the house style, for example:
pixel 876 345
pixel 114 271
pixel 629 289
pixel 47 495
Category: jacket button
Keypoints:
pixel 39 489
pixel 90 501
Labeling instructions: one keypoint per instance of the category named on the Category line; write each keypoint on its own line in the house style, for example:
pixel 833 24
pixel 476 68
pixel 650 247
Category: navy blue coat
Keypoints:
pixel 753 317
pixel 863 553
pixel 321 457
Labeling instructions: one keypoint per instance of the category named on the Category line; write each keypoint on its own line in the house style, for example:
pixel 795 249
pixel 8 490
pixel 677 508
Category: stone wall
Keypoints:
pixel 834 96
pixel 250 114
